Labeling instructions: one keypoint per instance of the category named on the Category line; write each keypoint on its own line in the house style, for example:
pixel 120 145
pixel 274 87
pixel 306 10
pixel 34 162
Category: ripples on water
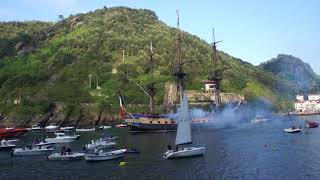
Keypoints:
pixel 244 151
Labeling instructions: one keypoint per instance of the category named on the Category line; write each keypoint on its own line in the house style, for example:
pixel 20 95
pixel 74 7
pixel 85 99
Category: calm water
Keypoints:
pixel 244 151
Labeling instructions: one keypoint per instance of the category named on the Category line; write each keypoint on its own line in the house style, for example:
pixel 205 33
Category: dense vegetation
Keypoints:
pixel 45 63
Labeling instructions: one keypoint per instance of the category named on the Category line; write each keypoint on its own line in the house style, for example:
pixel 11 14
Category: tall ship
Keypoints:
pixel 151 122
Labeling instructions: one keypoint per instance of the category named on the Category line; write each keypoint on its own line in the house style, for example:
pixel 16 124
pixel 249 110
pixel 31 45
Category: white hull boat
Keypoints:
pixel 6 145
pixel 66 157
pixel 62 138
pixel 259 120
pixel 100 144
pixel 185 152
pixel 67 128
pixel 104 127
pixel 292 130
pixel 35 151
pixel 51 127
pixel 104 156
pixel 85 130
pixel 35 128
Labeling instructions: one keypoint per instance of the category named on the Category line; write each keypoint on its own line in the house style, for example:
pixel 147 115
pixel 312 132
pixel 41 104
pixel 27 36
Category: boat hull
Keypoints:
pixel 32 152
pixel 7 148
pixel 144 127
pixel 102 157
pixel 185 152
pixel 10 133
pixel 85 130
pixel 65 139
pixel 292 130
pixel 68 157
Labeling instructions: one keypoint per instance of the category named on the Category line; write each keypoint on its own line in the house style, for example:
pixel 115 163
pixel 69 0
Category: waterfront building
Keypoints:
pixel 307 103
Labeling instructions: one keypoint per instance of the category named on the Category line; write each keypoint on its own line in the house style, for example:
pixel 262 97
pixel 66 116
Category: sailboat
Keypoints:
pixel 183 135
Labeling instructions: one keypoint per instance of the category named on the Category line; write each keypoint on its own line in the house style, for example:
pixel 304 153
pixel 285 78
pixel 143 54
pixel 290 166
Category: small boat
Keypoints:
pixel 68 128
pixel 259 119
pixel 311 124
pixel 121 126
pixel 100 144
pixel 35 128
pixel 12 132
pixel 32 151
pixel 104 127
pixel 66 157
pixel 104 156
pixel 108 138
pixel 62 138
pixel 6 145
pixel 184 152
pixel 85 130
pixel 292 130
pixel 51 127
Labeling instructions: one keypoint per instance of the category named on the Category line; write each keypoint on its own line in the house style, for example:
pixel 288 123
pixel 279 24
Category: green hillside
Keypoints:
pixel 45 63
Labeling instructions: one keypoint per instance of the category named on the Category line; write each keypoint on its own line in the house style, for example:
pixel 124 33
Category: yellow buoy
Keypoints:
pixel 122 163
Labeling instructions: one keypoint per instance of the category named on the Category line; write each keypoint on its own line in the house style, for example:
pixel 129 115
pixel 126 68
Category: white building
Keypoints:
pixel 310 105
pixel 314 97
pixel 299 97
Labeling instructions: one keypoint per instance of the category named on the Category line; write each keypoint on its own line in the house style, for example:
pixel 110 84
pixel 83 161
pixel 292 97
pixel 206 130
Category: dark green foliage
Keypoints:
pixel 58 59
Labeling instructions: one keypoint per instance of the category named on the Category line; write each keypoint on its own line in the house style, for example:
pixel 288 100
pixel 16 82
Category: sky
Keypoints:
pixel 252 30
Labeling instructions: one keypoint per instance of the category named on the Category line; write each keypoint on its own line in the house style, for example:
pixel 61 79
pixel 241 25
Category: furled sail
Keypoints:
pixel 184 127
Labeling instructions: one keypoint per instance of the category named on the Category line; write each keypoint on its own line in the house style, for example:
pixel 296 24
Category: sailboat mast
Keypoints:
pixel 151 86
pixel 180 74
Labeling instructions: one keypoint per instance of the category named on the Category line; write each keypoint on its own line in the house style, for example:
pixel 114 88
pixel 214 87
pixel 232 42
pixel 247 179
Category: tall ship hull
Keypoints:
pixel 144 123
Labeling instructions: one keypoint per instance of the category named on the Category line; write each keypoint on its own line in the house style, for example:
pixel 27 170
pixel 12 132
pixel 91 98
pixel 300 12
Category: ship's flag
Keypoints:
pixel 122 108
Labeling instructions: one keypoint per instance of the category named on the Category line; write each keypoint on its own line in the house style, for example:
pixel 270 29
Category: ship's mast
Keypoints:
pixel 179 73
pixel 215 74
pixel 151 86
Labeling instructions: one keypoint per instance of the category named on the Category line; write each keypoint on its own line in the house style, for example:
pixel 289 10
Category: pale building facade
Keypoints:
pixel 307 104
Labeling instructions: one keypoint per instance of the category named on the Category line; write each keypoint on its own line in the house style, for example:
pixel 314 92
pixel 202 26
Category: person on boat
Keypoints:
pixel 177 148
pixel 63 150
pixel 68 151
pixel 96 151
pixel 169 147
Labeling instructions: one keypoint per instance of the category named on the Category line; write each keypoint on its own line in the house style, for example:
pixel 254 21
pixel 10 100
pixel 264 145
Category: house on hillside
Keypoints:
pixel 307 103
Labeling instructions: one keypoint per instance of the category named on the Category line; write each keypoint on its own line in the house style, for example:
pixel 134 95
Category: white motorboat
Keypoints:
pixel 104 127
pixel 100 144
pixel 62 138
pixel 259 119
pixel 292 130
pixel 35 128
pixel 66 157
pixel 185 152
pixel 6 145
pixel 68 128
pixel 85 130
pixel 109 138
pixel 51 128
pixel 32 151
pixel 104 156
pixel 121 126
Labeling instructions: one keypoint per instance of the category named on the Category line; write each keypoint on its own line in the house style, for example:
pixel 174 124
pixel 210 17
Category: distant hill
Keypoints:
pixel 43 63
pixel 298 73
